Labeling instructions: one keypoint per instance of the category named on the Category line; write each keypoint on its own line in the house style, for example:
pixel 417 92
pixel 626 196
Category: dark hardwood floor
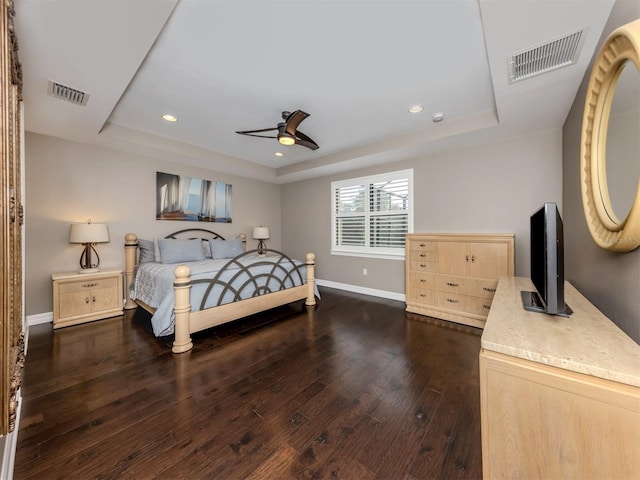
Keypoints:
pixel 355 389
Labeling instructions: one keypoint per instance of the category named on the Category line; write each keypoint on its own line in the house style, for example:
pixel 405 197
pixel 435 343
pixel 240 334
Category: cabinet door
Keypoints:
pixel 453 257
pixel 105 295
pixel 486 260
pixel 74 300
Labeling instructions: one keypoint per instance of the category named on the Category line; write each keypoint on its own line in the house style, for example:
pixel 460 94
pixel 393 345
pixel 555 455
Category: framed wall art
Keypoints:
pixel 179 197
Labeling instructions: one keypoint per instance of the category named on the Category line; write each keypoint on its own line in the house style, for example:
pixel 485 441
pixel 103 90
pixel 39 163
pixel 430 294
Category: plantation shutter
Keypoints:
pixel 372 215
pixel 389 213
pixel 350 219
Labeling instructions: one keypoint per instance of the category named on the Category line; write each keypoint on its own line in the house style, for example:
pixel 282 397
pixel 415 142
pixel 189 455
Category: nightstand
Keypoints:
pixel 84 297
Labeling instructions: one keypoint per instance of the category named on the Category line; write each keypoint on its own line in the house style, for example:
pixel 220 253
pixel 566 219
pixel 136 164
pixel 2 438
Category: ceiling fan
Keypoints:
pixel 288 133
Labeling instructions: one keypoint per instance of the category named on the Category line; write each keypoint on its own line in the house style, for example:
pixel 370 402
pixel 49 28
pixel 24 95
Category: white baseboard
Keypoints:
pixel 47 317
pixel 40 318
pixel 364 290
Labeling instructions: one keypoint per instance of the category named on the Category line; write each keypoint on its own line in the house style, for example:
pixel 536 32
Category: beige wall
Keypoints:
pixel 489 188
pixel 611 281
pixel 68 182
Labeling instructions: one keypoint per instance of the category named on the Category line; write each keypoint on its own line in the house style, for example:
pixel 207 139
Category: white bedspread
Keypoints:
pixel 252 275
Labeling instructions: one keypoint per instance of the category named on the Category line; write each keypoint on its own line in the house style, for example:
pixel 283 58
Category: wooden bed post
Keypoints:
pixel 130 250
pixel 182 310
pixel 311 280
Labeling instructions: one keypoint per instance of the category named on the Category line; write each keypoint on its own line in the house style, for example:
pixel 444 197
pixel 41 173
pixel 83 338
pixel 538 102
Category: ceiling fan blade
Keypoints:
pixel 305 141
pixel 249 132
pixel 293 120
pixel 255 135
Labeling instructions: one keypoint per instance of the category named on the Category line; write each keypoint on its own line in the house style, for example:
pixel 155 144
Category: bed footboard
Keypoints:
pixel 187 322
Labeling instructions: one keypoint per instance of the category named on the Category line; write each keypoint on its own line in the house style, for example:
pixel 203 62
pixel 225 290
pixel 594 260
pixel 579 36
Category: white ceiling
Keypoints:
pixel 355 66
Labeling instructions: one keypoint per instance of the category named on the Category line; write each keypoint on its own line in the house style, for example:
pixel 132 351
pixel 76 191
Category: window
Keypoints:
pixel 371 215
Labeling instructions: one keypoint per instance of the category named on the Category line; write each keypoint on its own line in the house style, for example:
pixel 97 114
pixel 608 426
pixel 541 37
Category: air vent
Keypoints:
pixel 545 58
pixel 68 94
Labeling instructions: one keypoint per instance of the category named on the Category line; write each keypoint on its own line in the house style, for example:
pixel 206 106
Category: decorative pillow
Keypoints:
pixel 147 251
pixel 177 251
pixel 225 248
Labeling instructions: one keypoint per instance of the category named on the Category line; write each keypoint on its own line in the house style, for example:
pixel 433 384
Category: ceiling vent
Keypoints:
pixel 545 58
pixel 68 94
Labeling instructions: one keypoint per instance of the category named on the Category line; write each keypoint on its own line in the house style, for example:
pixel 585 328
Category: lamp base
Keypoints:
pixel 262 248
pixel 89 270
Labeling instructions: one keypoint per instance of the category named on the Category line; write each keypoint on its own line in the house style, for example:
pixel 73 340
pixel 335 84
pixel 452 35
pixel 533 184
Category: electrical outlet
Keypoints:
pixel 364 271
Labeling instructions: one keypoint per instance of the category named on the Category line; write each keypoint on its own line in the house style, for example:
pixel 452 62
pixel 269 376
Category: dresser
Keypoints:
pixel 454 276
pixel 560 397
pixel 84 297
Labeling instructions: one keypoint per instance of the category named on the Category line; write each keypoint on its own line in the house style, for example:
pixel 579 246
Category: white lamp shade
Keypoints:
pixel 261 233
pixel 88 233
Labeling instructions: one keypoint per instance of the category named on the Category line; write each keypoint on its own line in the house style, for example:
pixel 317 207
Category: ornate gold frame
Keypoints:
pixel 12 340
pixel 609 232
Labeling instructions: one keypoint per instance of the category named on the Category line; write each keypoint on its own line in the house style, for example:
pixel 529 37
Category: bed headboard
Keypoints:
pixel 131 251
pixel 192 233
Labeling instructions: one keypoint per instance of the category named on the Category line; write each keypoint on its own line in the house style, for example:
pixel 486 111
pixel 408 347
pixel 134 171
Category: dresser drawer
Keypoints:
pixel 423 281
pixel 481 287
pixel 452 301
pixel 423 266
pixel 474 287
pixel 464 303
pixel 419 295
pixel 423 246
pixel 477 305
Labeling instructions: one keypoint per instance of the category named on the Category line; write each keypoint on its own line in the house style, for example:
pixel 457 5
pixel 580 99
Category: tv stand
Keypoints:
pixel 531 301
pixel 559 397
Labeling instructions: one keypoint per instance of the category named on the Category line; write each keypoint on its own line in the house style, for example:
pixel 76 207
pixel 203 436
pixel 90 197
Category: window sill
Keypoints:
pixel 382 256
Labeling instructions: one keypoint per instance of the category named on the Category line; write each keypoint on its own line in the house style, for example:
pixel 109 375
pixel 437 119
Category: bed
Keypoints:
pixel 194 279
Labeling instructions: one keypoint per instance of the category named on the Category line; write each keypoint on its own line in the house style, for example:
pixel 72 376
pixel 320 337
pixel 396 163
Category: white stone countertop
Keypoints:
pixel 587 342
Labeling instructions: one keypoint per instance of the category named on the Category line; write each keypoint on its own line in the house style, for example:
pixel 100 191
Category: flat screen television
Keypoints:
pixel 547 263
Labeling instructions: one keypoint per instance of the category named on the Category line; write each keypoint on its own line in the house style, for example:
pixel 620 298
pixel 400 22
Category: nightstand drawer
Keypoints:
pixel 88 285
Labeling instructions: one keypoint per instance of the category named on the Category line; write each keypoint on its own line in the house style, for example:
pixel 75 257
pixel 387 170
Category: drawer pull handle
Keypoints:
pixel 486 307
pixel 86 300
pixel 487 289
pixel 451 284
pixel 89 285
pixel 466 258
pixel 423 244
pixel 422 280
pixel 422 295
pixel 422 255
pixel 422 265
pixel 451 300
pixel 94 299
pixel 473 258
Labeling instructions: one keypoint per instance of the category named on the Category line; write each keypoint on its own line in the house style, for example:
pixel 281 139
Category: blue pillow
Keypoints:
pixel 225 248
pixel 147 251
pixel 177 251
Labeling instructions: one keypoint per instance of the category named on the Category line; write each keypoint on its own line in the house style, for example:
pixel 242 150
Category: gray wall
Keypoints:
pixel 611 281
pixel 491 188
pixel 68 182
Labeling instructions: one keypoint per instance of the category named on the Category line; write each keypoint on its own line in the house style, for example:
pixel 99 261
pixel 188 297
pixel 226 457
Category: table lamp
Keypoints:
pixel 88 234
pixel 261 234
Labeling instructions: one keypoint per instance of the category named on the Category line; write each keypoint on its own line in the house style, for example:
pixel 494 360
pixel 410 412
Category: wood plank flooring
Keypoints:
pixel 354 389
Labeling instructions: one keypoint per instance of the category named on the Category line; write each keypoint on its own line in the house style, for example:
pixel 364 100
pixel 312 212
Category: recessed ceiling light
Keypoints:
pixel 279 154
pixel 438 117
pixel 169 118
pixel 416 109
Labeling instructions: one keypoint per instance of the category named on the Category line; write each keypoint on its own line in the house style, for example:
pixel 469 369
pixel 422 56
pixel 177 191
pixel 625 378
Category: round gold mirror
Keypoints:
pixel 614 225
